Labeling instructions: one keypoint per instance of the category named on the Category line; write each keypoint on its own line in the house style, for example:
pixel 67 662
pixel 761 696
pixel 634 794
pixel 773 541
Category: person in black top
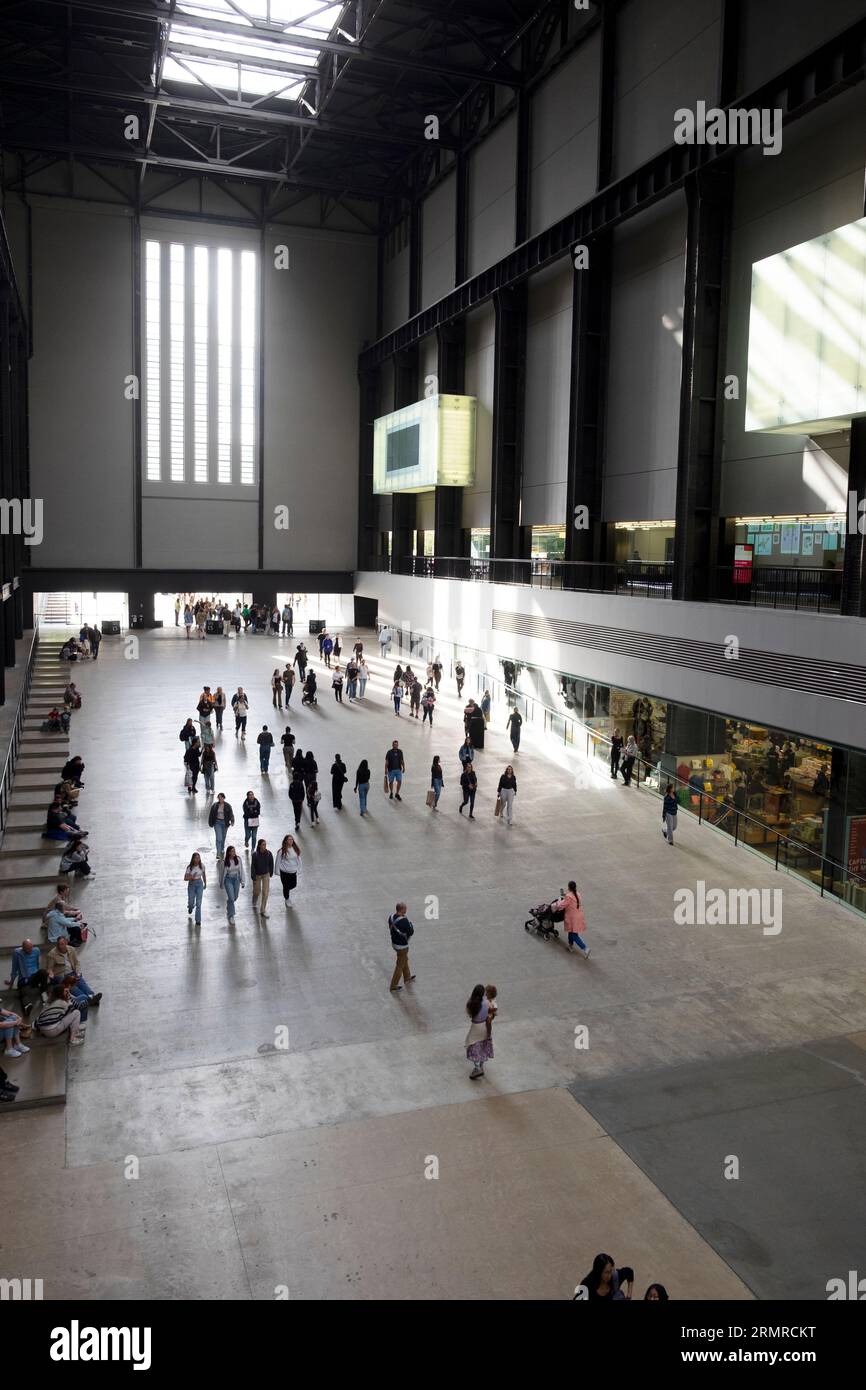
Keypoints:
pixel 469 783
pixel 459 676
pixel 606 1281
pixel 394 769
pixel 507 790
pixel 288 742
pixel 362 785
pixel 261 873
pixel 297 796
pixel 821 784
pixel 251 810
pixel 513 723
pixel 669 813
pixel 311 768
pixel 300 659
pixel 615 750
pixel 338 781
pixel 298 764
pixel 192 761
pixel 72 771
pixel 265 741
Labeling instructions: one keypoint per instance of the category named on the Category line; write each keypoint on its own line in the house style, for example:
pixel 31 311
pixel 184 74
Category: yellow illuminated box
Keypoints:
pixel 807 335
pixel 426 445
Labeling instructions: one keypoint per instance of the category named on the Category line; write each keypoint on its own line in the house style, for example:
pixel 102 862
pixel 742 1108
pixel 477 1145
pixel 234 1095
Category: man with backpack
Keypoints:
pixel 402 931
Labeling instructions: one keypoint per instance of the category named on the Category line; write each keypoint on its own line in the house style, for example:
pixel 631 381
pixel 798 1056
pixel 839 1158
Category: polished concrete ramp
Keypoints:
pixel 226 1059
pixel 788 1126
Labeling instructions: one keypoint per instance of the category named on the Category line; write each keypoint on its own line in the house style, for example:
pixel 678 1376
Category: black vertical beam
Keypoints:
pixel 260 391
pixel 380 273
pixel 509 390
pixel 590 331
pixel 137 367
pixel 696 543
pixel 17 427
pixel 853 603
pixel 22 465
pixel 606 88
pixel 404 505
pixel 451 343
pixel 7 475
pixel 729 51
pixel 461 219
pixel 368 382
pixel 523 173
pixel 415 229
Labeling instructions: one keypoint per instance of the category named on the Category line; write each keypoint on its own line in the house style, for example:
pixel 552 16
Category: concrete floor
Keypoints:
pixel 304 1168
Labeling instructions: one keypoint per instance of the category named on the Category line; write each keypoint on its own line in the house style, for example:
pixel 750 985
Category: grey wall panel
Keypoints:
pixel 395 299
pixel 565 137
pixel 492 175
pixel 426 514
pixel 437 243
pixel 428 362
pixel 81 425
pixel 480 339
pixel 548 358
pixel 642 431
pixel 200 533
pixel 315 324
pixel 814 185
pixel 667 57
pixel 775 33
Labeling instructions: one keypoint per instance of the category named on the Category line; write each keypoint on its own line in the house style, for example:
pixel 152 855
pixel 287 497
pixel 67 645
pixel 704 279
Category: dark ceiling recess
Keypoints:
pixel 288 96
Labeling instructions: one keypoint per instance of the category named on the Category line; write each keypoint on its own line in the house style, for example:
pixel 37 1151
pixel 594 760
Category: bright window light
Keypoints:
pixel 153 417
pixel 177 255
pixel 201 269
pixel 224 364
pixel 247 66
pixel 248 366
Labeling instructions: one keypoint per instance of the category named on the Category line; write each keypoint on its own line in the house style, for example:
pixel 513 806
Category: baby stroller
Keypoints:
pixel 309 695
pixel 541 921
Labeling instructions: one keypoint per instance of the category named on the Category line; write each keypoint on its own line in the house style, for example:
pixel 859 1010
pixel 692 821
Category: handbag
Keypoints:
pixel 431 797
pixel 497 810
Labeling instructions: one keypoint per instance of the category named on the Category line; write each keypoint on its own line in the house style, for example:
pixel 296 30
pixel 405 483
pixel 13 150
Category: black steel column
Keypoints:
pixel 461 218
pixel 404 505
pixel 854 561
pixel 729 52
pixel 509 390
pixel 448 534
pixel 590 330
pixel 368 383
pixel 606 105
pixel 523 170
pixel 23 619
pixel 415 258
pixel 7 477
pixel 696 543
pixel 18 423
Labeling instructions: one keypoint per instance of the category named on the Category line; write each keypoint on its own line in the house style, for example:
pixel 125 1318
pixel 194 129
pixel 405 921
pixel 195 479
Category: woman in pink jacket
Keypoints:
pixel 575 921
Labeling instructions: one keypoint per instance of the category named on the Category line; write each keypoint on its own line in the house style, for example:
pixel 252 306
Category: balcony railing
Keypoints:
pixel 781 586
pixel 634 577
pixel 771 586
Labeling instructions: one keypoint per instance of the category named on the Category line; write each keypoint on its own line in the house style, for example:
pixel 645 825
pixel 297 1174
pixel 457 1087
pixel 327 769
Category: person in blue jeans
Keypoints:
pixel 437 782
pixel 62 964
pixel 232 881
pixel 394 768
pixel 397 695
pixel 265 741
pixel 362 785
pixel 252 810
pixel 220 819
pixel 196 882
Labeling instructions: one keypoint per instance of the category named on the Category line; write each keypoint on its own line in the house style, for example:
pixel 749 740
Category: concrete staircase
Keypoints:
pixel 29 865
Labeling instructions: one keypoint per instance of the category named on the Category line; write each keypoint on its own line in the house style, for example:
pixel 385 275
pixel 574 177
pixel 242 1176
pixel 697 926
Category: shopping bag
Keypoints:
pixel 385 783
pixel 497 810
pixel 431 797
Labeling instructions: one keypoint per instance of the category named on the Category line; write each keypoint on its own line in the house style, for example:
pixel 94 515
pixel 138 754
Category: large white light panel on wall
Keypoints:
pixel 807 335
pixel 425 445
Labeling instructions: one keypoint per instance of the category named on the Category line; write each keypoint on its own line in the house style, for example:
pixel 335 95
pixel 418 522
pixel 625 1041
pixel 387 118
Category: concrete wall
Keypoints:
pixel 645 365
pixel 395 291
pixel 81 440
pixel 438 245
pixel 492 178
pixel 462 612
pixel 480 337
pixel 667 57
pixel 564 137
pixel 775 33
pixel 81 425
pixel 548 354
pixel 812 186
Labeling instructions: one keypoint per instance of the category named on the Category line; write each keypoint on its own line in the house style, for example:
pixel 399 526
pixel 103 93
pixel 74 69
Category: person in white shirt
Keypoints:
pixel 288 866
pixel 196 882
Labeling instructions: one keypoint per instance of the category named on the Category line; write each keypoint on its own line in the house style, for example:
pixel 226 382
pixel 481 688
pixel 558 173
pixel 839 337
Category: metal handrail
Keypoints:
pixel 11 758
pixel 633 577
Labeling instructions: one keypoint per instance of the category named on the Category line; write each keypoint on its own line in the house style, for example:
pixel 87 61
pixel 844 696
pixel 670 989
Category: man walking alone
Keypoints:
pixel 402 932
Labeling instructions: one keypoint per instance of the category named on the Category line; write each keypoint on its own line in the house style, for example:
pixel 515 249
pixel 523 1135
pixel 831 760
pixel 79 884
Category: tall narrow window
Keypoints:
pixel 224 365
pixel 153 415
pixel 201 346
pixel 177 260
pixel 201 282
pixel 248 366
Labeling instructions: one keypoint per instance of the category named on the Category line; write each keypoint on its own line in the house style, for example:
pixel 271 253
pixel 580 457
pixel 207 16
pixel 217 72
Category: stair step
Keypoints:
pixel 25 868
pixel 26 902
pixel 41 1074
pixel 30 846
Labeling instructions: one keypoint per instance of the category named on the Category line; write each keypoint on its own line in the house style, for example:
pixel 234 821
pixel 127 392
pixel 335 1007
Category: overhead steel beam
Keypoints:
pixel 229 110
pixel 133 9
pixel 833 68
pixel 216 167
